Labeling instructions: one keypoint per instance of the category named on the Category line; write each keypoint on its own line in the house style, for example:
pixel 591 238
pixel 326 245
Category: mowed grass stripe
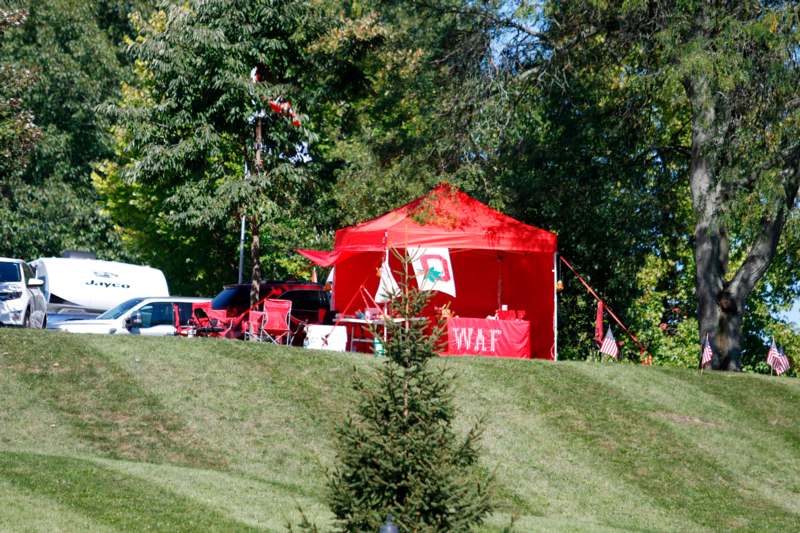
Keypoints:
pixel 257 502
pixel 109 496
pixel 541 478
pixel 557 474
pixel 647 453
pixel 743 441
pixel 576 446
pixel 767 402
pixel 272 409
pixel 103 403
pixel 23 510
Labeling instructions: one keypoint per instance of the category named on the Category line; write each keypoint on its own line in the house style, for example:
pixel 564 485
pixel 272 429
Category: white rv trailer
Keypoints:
pixel 84 288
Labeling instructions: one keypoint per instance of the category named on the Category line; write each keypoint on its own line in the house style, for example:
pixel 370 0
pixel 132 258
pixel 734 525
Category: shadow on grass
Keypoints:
pixel 646 453
pixel 103 404
pixel 108 496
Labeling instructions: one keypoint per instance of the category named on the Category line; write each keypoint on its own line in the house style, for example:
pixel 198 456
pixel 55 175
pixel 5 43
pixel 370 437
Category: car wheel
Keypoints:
pixel 44 322
pixel 26 322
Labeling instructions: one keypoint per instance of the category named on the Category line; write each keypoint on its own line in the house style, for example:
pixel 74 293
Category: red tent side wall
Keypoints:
pixel 521 280
pixel 351 273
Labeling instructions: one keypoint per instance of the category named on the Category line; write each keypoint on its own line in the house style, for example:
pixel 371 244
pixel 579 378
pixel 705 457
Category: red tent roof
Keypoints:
pixel 445 217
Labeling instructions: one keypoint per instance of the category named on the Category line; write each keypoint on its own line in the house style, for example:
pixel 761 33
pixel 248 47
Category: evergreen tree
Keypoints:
pixel 398 453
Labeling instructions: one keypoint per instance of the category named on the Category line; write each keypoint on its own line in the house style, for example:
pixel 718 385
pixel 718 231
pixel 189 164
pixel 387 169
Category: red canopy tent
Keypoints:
pixel 495 259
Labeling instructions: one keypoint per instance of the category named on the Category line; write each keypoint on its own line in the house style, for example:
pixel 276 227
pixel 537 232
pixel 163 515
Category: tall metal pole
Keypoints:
pixel 241 251
pixel 241 235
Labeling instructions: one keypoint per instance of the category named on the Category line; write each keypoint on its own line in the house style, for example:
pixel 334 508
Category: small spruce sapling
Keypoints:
pixel 398 453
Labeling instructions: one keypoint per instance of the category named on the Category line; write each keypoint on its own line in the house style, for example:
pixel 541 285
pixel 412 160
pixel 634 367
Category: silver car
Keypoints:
pixel 22 302
pixel 138 316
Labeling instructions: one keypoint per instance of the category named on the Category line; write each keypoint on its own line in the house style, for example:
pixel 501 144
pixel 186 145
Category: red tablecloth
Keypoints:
pixel 493 338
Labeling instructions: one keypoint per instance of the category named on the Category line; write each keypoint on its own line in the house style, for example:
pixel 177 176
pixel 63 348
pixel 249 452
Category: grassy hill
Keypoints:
pixel 102 433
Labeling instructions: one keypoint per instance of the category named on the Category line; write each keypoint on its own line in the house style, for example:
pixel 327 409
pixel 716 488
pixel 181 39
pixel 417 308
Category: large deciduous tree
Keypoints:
pixel 405 88
pixel 186 130
pixel 18 133
pixel 733 69
pixel 62 64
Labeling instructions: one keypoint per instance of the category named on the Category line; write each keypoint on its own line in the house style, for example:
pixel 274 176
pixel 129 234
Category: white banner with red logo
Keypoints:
pixel 433 269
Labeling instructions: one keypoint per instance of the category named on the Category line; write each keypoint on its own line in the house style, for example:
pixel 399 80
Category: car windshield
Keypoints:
pixel 121 309
pixel 10 272
pixel 232 298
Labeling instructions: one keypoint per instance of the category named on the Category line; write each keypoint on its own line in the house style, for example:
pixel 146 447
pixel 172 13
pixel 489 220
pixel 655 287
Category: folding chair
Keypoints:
pixel 199 317
pixel 212 323
pixel 275 327
pixel 224 323
pixel 182 330
pixel 253 325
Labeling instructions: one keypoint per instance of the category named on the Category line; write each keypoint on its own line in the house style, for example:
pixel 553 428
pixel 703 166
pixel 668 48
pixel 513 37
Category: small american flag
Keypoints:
pixel 777 359
pixel 708 354
pixel 609 346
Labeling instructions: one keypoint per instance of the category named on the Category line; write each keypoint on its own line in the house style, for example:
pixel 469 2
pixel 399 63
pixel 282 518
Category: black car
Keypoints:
pixel 311 303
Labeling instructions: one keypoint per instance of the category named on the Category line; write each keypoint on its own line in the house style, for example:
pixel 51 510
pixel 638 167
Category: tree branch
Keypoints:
pixel 763 250
pixel 485 15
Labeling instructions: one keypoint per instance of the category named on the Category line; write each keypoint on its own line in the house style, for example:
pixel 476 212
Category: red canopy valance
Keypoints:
pixel 444 217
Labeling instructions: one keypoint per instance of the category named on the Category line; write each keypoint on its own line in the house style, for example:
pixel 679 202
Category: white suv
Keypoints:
pixel 138 316
pixel 22 302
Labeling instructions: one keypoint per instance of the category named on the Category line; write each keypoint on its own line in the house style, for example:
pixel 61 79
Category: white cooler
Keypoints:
pixel 320 337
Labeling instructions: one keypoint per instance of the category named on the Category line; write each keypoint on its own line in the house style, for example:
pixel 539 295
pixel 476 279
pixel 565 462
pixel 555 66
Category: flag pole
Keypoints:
pixel 701 355
pixel 771 368
pixel 706 344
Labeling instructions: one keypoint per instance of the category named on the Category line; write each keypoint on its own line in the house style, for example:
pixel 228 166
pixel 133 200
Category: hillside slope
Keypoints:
pixel 112 433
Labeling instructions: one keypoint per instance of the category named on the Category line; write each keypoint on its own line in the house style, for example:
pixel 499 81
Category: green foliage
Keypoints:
pixel 400 89
pixel 602 149
pixel 61 65
pixel 398 453
pixel 18 133
pixel 184 131
pixel 76 69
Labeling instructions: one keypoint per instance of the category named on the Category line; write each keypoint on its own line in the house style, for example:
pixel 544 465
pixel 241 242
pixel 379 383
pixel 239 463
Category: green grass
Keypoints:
pixel 108 433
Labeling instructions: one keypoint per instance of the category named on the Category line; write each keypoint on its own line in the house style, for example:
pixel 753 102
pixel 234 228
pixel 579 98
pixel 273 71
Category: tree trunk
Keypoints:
pixel 722 326
pixel 255 244
pixel 255 257
pixel 721 297
pixel 720 320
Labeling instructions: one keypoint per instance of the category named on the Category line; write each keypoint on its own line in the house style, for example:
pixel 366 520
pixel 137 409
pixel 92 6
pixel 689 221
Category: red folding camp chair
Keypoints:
pixel 211 322
pixel 198 319
pixel 251 327
pixel 275 327
pixel 182 330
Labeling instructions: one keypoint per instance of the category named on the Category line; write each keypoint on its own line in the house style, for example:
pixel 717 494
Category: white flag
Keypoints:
pixel 388 285
pixel 433 269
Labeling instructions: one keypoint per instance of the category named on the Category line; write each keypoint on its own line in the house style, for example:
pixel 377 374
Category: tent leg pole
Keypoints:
pixel 555 306
pixel 499 282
